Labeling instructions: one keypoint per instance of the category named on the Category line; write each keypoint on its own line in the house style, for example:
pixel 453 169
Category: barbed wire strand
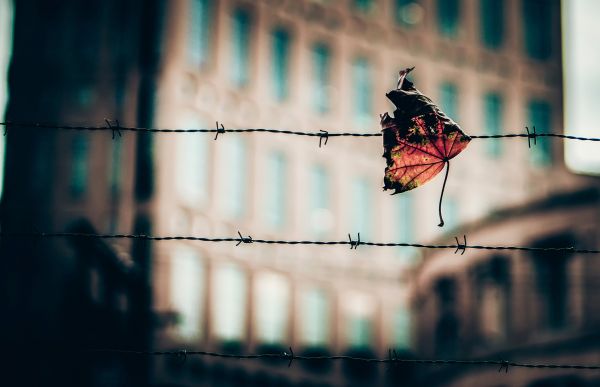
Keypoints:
pixel 323 134
pixel 249 240
pixel 392 359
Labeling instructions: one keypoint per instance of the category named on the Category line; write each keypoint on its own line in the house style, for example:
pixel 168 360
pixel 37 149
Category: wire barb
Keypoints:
pixel 244 239
pixel 181 356
pixel 323 135
pixel 115 129
pixel 531 136
pixel 460 246
pixel 504 366
pixel 354 244
pixel 220 130
pixel 289 356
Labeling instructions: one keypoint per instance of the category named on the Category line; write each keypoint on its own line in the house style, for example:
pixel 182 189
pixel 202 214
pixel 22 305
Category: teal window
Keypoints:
pixel 537 28
pixel 321 57
pixel 191 172
pixel 492 23
pixel 272 308
pixel 405 226
pixel 361 208
pixel 408 12
pixel 114 178
pixel 363 5
pixel 199 31
pixel 315 318
pixel 79 164
pixel 362 91
pixel 276 189
pixel 493 107
pixel 448 17
pixel 449 100
pixel 450 212
pixel 229 298
pixel 402 328
pixel 240 41
pixel 320 187
pixel 187 292
pixel 360 331
pixel 319 183
pixel 234 160
pixel 539 115
pixel 280 40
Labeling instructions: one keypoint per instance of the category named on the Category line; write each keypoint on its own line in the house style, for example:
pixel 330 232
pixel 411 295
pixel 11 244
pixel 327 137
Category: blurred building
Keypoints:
pixel 493 66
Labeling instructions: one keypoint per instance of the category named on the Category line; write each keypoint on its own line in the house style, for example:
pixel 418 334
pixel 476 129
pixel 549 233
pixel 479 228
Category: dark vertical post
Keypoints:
pixel 141 320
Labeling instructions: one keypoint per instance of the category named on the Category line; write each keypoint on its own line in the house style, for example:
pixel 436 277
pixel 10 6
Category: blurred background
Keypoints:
pixel 494 66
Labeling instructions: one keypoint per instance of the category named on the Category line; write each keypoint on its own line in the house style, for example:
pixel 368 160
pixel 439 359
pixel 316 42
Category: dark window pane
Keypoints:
pixel 363 5
pixel 448 17
pixel 492 23
pixel 200 17
pixel 449 100
pixel 79 165
pixel 537 28
pixel 363 90
pixel 240 41
pixel 280 62
pixel 493 107
pixel 321 74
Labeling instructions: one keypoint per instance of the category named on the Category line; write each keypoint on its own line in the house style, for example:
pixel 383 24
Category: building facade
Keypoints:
pixel 493 66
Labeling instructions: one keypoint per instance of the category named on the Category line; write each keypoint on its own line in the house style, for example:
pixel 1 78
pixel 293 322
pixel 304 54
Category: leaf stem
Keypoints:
pixel 442 194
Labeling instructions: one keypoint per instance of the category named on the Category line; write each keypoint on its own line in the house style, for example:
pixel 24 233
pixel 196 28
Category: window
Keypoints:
pixel 229 300
pixel 272 308
pixel 402 328
pixel 315 318
pixel 539 114
pixel 6 21
pixel 321 219
pixel 492 299
pixel 321 56
pixel 187 291
pixel 449 100
pixel 360 331
pixel 450 211
pixel 362 91
pixel 280 40
pixel 408 12
pixel 240 41
pixel 276 189
pixel 361 208
pixel 199 31
pixel 79 164
pixel 191 170
pixel 537 28
pixel 114 177
pixel 405 216
pixel 493 114
pixel 234 159
pixel 359 311
pixel 492 23
pixel 448 17
pixel 363 5
pixel 447 327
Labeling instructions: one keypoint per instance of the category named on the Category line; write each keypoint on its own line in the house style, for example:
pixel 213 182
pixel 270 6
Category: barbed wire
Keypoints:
pixel 115 128
pixel 393 358
pixel 240 239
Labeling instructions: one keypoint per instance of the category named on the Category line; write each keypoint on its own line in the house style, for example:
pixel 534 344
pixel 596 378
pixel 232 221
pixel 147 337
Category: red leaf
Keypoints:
pixel 418 141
